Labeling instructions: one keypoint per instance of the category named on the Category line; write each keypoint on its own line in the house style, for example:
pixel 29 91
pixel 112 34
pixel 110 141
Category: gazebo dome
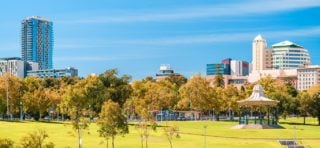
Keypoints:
pixel 258 98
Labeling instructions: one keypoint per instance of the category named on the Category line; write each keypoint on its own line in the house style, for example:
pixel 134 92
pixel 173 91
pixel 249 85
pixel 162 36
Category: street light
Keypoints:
pixel 204 135
pixel 21 116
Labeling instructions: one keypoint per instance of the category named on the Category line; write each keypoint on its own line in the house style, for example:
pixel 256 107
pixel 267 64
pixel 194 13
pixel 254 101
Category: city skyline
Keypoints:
pixel 187 38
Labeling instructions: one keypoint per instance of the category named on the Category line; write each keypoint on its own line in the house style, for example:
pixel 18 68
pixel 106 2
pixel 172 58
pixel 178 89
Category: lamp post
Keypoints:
pixel 20 105
pixel 204 135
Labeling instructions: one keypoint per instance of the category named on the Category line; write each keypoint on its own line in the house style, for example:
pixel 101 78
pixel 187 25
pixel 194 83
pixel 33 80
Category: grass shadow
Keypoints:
pixel 295 123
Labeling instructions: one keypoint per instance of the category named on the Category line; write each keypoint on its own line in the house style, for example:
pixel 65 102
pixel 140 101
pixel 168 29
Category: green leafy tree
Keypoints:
pixel 304 104
pixel 315 106
pixel 116 88
pixel 111 121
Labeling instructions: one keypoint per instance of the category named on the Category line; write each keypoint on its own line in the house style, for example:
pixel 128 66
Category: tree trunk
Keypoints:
pixel 304 119
pixel 146 142
pixel 39 115
pixel 79 137
pixel 79 128
pixel 141 141
pixel 112 141
pixel 170 143
pixel 217 117
pixel 319 120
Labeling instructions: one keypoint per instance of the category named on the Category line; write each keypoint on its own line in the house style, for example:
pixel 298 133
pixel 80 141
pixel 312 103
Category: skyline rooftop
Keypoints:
pixel 286 43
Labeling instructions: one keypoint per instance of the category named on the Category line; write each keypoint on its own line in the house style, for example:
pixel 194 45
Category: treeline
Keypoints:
pixel 57 98
pixel 50 97
pixel 111 99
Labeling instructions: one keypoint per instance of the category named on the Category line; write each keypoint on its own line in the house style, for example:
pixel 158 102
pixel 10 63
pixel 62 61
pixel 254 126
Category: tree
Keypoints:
pixel 116 88
pixel 77 102
pixel 170 132
pixel 36 139
pixel 218 80
pixel 178 80
pixel 195 93
pixel 143 127
pixel 315 106
pixel 6 143
pixel 304 104
pixel 111 121
pixel 230 97
pixel 10 87
pixel 37 101
pixel 278 90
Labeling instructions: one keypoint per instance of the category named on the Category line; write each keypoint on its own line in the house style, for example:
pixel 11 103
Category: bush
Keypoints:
pixel 6 143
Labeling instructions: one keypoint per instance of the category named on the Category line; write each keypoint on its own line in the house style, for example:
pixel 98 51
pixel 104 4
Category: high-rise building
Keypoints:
pixel 308 76
pixel 288 55
pixel 13 66
pixel 37 41
pixel 261 55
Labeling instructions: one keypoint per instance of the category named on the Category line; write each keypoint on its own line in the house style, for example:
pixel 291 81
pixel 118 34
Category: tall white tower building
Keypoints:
pixel 261 55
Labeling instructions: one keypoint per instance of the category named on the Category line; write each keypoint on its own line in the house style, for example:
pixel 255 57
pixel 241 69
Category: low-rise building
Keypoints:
pixel 54 73
pixel 13 65
pixel 235 80
pixel 164 72
pixel 308 76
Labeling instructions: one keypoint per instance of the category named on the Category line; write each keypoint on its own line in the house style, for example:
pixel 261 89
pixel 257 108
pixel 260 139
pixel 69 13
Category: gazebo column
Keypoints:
pixel 268 112
pixel 255 118
pixel 247 116
pixel 260 116
pixel 273 116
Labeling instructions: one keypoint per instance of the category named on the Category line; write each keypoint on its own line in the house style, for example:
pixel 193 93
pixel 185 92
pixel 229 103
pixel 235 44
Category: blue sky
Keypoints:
pixel 137 36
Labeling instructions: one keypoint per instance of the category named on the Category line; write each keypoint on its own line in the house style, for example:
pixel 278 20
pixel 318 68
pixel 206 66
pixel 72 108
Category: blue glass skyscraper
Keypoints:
pixel 37 41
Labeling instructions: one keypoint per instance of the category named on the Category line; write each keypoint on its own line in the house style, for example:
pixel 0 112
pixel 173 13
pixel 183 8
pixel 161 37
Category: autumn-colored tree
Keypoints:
pixel 10 94
pixel 195 94
pixel 230 97
pixel 218 81
pixel 177 80
pixel 112 121
pixel 78 101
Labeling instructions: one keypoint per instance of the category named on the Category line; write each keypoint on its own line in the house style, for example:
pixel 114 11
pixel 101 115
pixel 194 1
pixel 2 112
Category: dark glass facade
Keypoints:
pixel 214 69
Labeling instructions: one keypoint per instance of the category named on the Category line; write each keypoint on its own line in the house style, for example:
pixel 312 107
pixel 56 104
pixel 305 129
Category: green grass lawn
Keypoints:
pixel 219 134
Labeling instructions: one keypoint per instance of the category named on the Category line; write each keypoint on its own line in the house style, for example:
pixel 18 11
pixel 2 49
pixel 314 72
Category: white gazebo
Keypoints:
pixel 258 105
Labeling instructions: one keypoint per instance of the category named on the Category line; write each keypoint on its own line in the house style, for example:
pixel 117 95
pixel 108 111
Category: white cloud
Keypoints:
pixel 256 7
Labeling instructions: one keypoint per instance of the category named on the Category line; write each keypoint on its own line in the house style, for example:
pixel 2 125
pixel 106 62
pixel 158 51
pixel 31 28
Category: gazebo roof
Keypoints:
pixel 258 98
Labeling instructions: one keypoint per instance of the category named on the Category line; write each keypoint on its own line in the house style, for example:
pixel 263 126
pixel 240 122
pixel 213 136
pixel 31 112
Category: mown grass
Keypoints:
pixel 219 134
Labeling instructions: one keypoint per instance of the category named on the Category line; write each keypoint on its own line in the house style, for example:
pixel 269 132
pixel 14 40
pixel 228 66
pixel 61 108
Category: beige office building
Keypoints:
pixel 308 77
pixel 261 55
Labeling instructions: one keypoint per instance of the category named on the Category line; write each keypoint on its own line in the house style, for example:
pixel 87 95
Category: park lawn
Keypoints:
pixel 219 134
